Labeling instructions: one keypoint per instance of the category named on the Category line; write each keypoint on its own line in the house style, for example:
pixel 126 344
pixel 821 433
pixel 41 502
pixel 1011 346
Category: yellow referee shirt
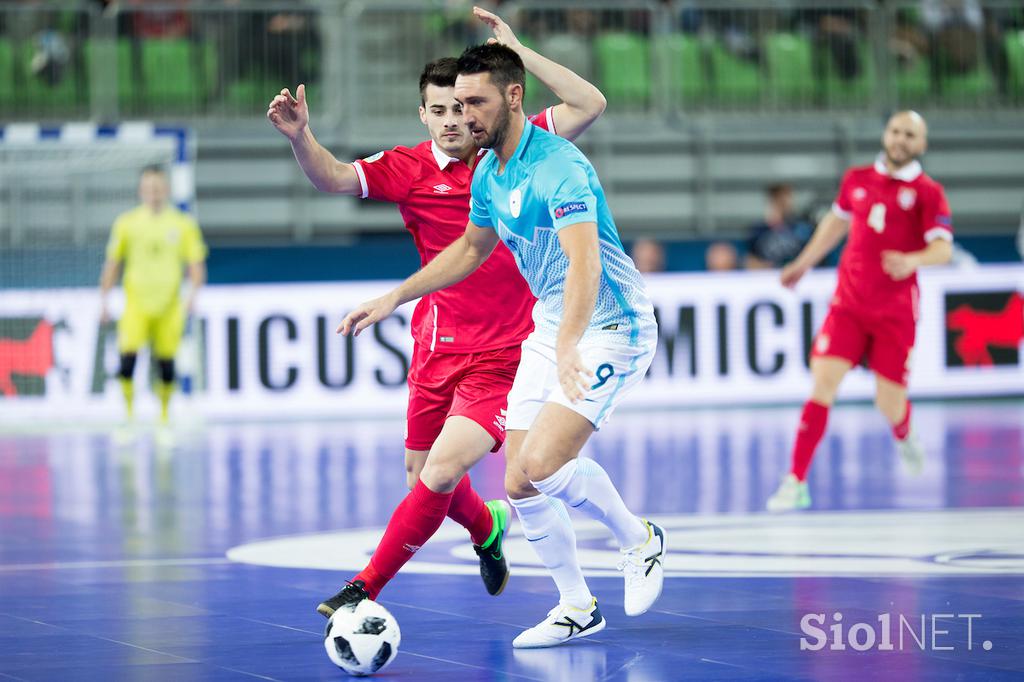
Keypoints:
pixel 154 249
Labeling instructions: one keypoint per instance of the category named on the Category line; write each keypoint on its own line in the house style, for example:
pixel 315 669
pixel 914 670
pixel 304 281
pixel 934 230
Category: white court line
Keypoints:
pixel 245 672
pixel 118 563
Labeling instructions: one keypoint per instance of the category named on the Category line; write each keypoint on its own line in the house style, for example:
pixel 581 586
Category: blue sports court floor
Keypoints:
pixel 203 560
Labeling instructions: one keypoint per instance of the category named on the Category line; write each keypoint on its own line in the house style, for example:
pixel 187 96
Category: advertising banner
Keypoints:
pixel 270 351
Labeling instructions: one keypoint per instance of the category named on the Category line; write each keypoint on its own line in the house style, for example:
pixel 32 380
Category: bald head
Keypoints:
pixel 905 138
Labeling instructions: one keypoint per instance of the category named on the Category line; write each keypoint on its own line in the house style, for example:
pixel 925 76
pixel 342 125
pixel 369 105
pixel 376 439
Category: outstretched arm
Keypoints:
pixel 290 115
pixel 581 103
pixel 449 267
pixel 829 233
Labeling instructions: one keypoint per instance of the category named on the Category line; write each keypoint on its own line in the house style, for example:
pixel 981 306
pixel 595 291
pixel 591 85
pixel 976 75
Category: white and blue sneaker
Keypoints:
pixel 563 624
pixel 644 569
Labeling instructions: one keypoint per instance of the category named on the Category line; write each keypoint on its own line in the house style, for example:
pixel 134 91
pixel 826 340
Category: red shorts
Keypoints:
pixel 471 385
pixel 883 342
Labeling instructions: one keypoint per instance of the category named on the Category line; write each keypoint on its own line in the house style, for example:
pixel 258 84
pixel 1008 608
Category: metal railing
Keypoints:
pixel 360 58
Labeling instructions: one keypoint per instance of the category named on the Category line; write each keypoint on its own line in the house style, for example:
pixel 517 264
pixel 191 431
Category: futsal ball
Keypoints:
pixel 363 640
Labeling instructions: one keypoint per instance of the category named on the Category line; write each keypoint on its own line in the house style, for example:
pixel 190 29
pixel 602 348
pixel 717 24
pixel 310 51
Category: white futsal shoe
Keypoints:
pixel 564 623
pixel 791 495
pixel 911 452
pixel 644 568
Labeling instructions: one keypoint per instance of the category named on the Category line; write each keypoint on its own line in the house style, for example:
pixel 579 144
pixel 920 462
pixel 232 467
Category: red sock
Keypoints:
pixel 808 435
pixel 902 430
pixel 468 509
pixel 413 522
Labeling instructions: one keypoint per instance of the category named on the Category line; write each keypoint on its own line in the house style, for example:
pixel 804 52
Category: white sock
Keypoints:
pixel 584 485
pixel 547 526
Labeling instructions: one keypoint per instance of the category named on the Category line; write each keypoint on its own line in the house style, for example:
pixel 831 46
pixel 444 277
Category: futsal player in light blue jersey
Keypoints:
pixel 593 341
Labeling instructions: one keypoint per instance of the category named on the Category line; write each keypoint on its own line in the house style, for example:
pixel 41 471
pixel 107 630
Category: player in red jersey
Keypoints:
pixel 898 220
pixel 467 337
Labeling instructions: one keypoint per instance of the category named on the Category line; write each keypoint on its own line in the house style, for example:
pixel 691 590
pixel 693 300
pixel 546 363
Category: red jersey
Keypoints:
pixel 491 308
pixel 899 212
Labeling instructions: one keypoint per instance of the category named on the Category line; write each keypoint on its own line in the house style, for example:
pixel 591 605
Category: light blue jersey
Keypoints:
pixel 547 185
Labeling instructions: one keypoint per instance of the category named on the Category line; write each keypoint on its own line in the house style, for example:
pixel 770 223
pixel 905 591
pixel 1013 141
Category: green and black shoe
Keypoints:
pixel 349 597
pixel 493 565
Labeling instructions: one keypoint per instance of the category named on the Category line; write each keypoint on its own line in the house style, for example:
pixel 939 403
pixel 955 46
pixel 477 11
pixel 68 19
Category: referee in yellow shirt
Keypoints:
pixel 154 242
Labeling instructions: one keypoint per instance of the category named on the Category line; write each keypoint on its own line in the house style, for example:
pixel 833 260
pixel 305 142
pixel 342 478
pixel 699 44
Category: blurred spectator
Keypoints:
pixel 908 43
pixel 836 34
pixel 779 237
pixel 954 28
pixel 51 57
pixel 721 257
pixel 279 46
pixel 648 255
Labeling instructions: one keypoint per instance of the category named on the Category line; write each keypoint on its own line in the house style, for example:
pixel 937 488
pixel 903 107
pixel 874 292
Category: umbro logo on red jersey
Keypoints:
pixel 442 189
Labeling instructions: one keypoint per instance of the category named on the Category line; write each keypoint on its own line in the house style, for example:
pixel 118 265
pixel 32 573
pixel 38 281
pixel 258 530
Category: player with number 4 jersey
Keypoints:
pixel 898 220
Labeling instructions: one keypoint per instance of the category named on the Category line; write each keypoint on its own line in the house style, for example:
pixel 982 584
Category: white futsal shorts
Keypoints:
pixel 617 369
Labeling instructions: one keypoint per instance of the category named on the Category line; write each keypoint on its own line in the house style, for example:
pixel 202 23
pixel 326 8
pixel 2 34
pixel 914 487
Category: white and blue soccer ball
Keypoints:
pixel 363 640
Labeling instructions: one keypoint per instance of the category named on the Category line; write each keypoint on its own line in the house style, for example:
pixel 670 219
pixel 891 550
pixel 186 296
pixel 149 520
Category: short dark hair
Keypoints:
pixel 440 72
pixel 500 61
pixel 154 168
pixel 777 189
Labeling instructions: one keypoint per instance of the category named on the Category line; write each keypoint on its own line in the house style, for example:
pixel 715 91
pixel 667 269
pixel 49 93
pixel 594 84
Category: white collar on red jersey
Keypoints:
pixel 443 159
pixel 912 171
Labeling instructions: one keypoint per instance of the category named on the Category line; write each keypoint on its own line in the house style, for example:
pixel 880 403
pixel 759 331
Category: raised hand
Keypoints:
pixel 290 115
pixel 366 314
pixel 502 33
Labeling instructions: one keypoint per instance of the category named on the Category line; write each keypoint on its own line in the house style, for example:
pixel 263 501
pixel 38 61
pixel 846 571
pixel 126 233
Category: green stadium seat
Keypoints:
pixel 250 96
pixel 680 68
pixel 789 58
pixel 177 75
pixel 913 82
pixel 624 69
pixel 969 89
pixel 1014 44
pixel 735 80
pixel 536 94
pixel 838 91
pixel 7 88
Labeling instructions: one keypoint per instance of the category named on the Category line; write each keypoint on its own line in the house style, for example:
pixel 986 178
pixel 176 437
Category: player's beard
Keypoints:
pixel 500 131
pixel 896 163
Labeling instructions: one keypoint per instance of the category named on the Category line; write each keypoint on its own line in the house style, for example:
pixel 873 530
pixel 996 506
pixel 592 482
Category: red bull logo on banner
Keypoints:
pixel 26 355
pixel 984 329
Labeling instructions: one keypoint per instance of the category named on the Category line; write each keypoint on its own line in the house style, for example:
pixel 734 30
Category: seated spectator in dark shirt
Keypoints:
pixel 779 237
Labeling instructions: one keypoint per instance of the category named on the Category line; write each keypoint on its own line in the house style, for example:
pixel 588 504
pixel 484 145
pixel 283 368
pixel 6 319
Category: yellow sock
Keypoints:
pixel 164 390
pixel 128 389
